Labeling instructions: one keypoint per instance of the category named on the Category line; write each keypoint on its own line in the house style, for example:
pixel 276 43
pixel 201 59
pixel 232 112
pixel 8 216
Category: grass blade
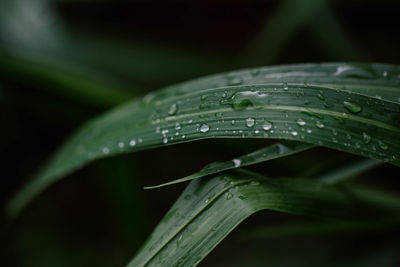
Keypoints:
pixel 348 107
pixel 209 209
pixel 274 151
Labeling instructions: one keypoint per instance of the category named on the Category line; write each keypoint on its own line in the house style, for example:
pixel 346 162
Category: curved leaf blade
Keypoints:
pixel 209 209
pixel 274 151
pixel 347 107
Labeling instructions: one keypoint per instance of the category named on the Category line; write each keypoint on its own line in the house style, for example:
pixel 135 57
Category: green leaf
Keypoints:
pixel 209 209
pixel 274 151
pixel 348 107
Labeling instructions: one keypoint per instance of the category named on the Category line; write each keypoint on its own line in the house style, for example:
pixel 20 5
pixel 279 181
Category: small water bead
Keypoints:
pixel 106 150
pixel 348 136
pixel 267 125
pixel 294 133
pixel 254 183
pixel 140 140
pixel 301 122
pixel 204 128
pixel 250 122
pixel 382 145
pixel 256 131
pixel 366 138
pixel 234 81
pixel 164 132
pixel 229 195
pixel 132 142
pixel 236 162
pixel 173 109
pixel 233 122
pixel 354 108
pixel 255 72
pixel 320 95
pixel 165 140
pixel 285 86
pixel 121 144
pixel 309 131
pixel 319 124
pixel 177 126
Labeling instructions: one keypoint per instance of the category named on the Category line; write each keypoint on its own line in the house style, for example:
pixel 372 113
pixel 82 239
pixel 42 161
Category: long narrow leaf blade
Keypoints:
pixel 349 107
pixel 274 151
pixel 209 209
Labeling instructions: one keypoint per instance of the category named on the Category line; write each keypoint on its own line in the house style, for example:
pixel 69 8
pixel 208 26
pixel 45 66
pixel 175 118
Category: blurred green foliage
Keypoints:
pixel 64 61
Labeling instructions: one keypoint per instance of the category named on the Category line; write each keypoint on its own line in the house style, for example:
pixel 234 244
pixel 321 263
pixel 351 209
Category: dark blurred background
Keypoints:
pixel 65 61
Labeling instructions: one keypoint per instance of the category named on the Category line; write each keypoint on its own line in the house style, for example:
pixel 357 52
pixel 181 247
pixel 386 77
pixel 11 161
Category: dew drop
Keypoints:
pixel 366 138
pixel 177 126
pixel 204 128
pixel 234 81
pixel 229 195
pixel 254 183
pixel 319 124
pixel 354 108
pixel 294 133
pixel 382 145
pixel 236 162
pixel 165 140
pixel 301 122
pixel 255 72
pixel 173 109
pixel 233 122
pixel 106 150
pixel 132 142
pixel 121 144
pixel 309 131
pixel 285 87
pixel 250 122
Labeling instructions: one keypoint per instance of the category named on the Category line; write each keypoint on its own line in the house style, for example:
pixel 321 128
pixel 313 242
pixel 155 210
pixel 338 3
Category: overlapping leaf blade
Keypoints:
pixel 349 107
pixel 209 209
pixel 274 151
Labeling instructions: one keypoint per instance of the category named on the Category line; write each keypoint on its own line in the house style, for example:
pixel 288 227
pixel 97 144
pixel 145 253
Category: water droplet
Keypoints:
pixel 132 142
pixel 255 72
pixel 164 132
pixel 285 86
pixel 348 136
pixel 177 126
pixel 301 122
pixel 256 131
pixel 229 195
pixel 233 122
pixel 140 140
pixel 319 124
pixel 309 131
pixel 382 145
pixel 236 162
pixel 254 183
pixel 294 133
pixel 121 144
pixel 234 81
pixel 106 150
pixel 206 201
pixel 250 122
pixel 204 128
pixel 321 95
pixel 267 125
pixel 173 109
pixel 354 108
pixel 366 138
pixel 165 140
